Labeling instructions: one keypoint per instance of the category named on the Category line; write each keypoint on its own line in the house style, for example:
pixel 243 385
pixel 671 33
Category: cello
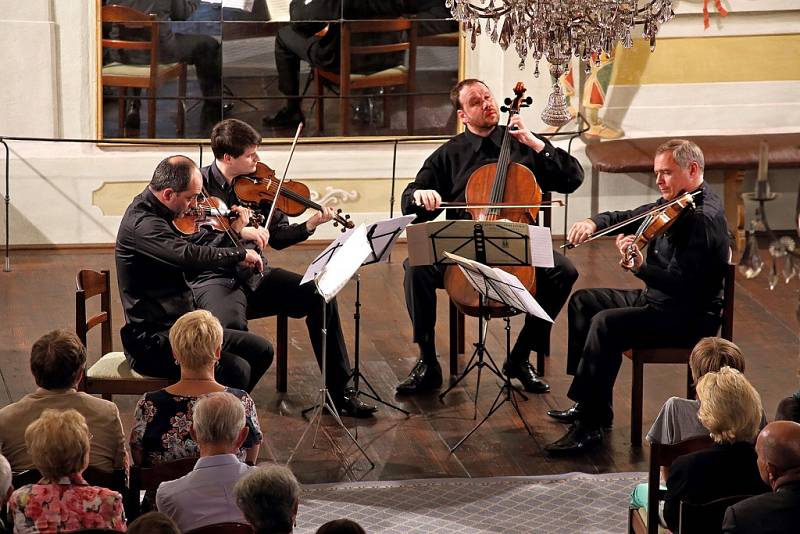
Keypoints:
pixel 492 185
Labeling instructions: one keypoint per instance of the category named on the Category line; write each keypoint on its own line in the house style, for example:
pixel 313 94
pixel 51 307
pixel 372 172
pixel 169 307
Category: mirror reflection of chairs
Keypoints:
pixel 403 75
pixel 149 77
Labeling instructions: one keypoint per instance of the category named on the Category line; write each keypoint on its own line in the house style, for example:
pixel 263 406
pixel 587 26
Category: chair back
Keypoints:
pixel 148 478
pixel 223 528
pixel 130 18
pixel 705 518
pixel 663 456
pixel 116 480
pixel 89 284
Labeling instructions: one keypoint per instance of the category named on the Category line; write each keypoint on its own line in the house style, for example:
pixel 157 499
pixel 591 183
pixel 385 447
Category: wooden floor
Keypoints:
pixel 37 296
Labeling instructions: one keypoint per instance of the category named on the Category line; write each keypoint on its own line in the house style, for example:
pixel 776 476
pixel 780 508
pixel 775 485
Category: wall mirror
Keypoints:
pixel 346 68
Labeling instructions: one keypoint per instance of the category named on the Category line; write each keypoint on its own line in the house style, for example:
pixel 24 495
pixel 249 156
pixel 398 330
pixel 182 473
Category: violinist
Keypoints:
pixel 444 177
pixel 152 257
pixel 233 297
pixel 680 303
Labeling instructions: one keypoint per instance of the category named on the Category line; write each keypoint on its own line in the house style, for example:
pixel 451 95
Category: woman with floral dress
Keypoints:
pixel 62 501
pixel 162 419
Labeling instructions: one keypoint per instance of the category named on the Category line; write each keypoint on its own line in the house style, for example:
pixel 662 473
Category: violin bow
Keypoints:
pixel 509 205
pixel 620 224
pixel 285 171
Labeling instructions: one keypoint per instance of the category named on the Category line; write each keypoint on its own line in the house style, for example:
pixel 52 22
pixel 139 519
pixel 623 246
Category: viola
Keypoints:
pixel 496 184
pixel 656 224
pixel 211 212
pixel 293 199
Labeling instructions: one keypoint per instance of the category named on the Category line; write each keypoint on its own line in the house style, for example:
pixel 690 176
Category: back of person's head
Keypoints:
pixel 57 360
pixel 268 497
pixel 778 448
pixel 195 338
pixel 173 172
pixel 233 137
pixel 712 354
pixel 730 407
pixel 5 481
pixel 153 523
pixel 58 443
pixel 218 418
pixel 341 526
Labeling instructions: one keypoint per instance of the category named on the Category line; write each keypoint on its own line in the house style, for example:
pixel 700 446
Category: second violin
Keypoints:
pixel 293 199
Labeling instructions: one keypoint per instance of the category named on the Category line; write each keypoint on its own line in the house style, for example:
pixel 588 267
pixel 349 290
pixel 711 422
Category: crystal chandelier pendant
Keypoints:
pixel 772 279
pixel 555 113
pixel 751 263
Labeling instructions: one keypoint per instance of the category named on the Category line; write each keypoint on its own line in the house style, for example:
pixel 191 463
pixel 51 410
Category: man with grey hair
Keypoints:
pixel 5 489
pixel 680 303
pixel 269 496
pixel 205 495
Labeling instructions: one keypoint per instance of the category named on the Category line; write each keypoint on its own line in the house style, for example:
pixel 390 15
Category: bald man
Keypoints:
pixel 778 449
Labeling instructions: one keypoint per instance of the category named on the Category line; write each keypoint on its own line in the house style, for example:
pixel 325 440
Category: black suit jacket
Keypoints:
pixel 703 476
pixel 770 513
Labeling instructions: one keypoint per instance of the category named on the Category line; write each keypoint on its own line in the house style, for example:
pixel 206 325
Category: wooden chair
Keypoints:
pixel 639 521
pixel 111 374
pixel 705 518
pixel 400 75
pixel 116 480
pixel 223 528
pixel 641 357
pixel 147 479
pixel 150 77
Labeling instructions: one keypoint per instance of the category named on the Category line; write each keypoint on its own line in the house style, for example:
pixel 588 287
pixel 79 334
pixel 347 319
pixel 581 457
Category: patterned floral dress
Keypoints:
pixel 161 425
pixel 71 504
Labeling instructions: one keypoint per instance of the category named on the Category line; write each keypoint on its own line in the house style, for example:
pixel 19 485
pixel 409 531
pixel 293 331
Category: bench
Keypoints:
pixel 732 154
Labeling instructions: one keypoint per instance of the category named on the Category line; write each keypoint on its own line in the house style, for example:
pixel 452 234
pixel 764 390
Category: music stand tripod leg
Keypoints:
pixel 325 401
pixel 356 375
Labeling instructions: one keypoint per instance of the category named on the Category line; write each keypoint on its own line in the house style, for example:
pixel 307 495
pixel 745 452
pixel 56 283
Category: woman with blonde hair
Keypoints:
pixel 62 501
pixel 730 408
pixel 162 418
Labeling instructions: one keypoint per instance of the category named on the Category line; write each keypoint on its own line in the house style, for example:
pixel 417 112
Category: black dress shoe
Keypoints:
pixel 285 118
pixel 423 377
pixel 523 371
pixel 574 412
pixel 349 405
pixel 579 438
pixel 132 117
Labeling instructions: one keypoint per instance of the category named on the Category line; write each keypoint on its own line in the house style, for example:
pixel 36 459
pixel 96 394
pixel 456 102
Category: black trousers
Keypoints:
pixel 205 53
pixel 244 360
pixel 553 286
pixel 603 323
pixel 280 292
pixel 291 47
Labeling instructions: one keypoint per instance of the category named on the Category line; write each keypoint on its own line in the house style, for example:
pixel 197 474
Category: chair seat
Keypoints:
pixel 136 71
pixel 114 366
pixel 399 70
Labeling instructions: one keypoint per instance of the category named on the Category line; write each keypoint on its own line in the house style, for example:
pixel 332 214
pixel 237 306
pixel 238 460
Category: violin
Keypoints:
pixel 211 212
pixel 293 199
pixel 654 225
pixel 497 184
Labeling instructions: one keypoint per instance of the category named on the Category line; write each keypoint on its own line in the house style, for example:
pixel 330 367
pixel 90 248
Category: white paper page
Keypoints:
pixel 344 264
pixel 386 233
pixel 541 246
pixel 316 266
pixel 516 292
pixel 246 5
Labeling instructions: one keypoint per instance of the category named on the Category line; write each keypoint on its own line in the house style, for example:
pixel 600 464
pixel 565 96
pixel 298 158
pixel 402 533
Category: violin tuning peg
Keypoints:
pixel 347 217
pixel 507 101
pixel 528 101
pixel 503 109
pixel 338 211
pixel 335 224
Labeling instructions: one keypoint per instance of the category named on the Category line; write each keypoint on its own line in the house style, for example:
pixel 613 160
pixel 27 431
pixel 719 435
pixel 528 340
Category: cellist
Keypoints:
pixel 680 303
pixel 444 177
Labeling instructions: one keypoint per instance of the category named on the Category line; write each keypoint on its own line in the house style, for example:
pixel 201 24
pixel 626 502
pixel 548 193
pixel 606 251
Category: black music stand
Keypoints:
pixel 329 280
pixel 493 284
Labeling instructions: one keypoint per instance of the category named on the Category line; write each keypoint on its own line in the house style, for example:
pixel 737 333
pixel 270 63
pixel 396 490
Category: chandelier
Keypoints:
pixel 556 30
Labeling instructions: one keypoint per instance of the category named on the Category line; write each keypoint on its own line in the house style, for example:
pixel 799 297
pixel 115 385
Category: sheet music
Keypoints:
pixel 344 263
pixel 541 246
pixel 316 266
pixel 383 234
pixel 246 5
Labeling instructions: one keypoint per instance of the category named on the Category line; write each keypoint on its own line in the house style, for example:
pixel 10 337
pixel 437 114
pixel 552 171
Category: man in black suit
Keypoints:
pixel 778 449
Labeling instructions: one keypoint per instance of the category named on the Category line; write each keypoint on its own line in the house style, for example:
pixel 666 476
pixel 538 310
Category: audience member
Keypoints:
pixel 205 496
pixel 789 408
pixel 62 501
pixel 730 409
pixel 341 526
pixel 57 362
pixel 5 491
pixel 268 497
pixel 153 523
pixel 778 449
pixel 162 419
